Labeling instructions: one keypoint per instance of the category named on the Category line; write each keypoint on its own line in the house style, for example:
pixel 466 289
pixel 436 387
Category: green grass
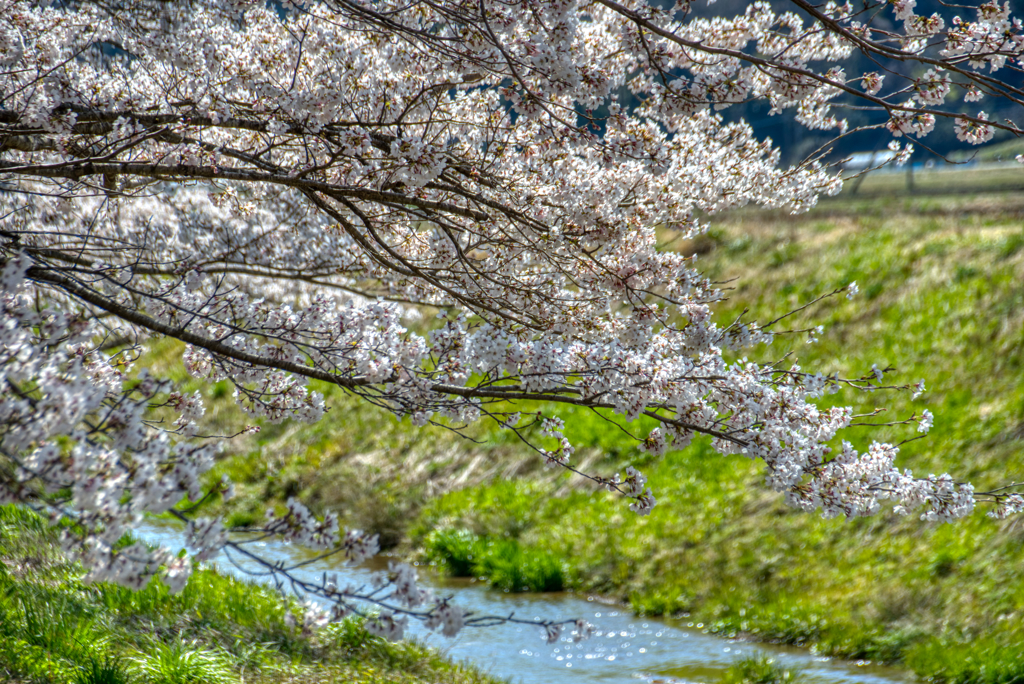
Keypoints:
pixel 503 562
pixel 941 181
pixel 54 628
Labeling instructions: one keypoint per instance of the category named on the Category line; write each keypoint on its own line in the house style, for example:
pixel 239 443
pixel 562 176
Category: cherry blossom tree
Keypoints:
pixel 280 186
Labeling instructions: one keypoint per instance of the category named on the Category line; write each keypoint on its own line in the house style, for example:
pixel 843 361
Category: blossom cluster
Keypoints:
pixel 74 438
pixel 442 615
pixel 74 421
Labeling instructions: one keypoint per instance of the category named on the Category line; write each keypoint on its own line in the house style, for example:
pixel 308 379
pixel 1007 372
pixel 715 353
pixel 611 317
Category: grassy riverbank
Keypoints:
pixel 54 628
pixel 942 299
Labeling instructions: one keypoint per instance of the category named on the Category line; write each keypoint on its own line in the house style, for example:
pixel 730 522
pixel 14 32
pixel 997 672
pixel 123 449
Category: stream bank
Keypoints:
pixel 623 650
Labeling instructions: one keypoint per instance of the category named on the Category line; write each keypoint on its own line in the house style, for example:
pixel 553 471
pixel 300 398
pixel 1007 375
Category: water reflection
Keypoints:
pixel 624 648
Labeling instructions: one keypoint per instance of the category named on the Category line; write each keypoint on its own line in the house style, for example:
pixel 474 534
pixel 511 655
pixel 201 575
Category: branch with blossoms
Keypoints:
pixel 275 395
pixel 88 456
pixel 391 600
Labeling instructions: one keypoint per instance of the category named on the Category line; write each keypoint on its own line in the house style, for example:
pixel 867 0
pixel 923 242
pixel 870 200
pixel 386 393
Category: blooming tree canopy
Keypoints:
pixel 279 185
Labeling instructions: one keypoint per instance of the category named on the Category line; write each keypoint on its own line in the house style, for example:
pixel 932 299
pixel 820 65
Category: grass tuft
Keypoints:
pixel 105 670
pixel 761 669
pixel 182 663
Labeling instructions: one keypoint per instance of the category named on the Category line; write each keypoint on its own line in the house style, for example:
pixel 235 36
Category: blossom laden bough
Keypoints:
pixel 279 189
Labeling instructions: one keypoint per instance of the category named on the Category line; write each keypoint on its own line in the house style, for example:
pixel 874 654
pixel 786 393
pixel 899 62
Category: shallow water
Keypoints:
pixel 625 648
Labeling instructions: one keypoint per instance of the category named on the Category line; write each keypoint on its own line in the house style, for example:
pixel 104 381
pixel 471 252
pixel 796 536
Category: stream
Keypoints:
pixel 624 649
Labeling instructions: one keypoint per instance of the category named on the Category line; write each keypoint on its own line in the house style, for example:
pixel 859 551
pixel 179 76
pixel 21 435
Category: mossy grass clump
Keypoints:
pixel 181 661
pixel 103 670
pixel 452 552
pixel 984 661
pixel 761 668
pixel 506 566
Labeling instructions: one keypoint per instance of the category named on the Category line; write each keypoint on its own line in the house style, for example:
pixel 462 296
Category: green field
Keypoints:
pixel 937 182
pixel 942 299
